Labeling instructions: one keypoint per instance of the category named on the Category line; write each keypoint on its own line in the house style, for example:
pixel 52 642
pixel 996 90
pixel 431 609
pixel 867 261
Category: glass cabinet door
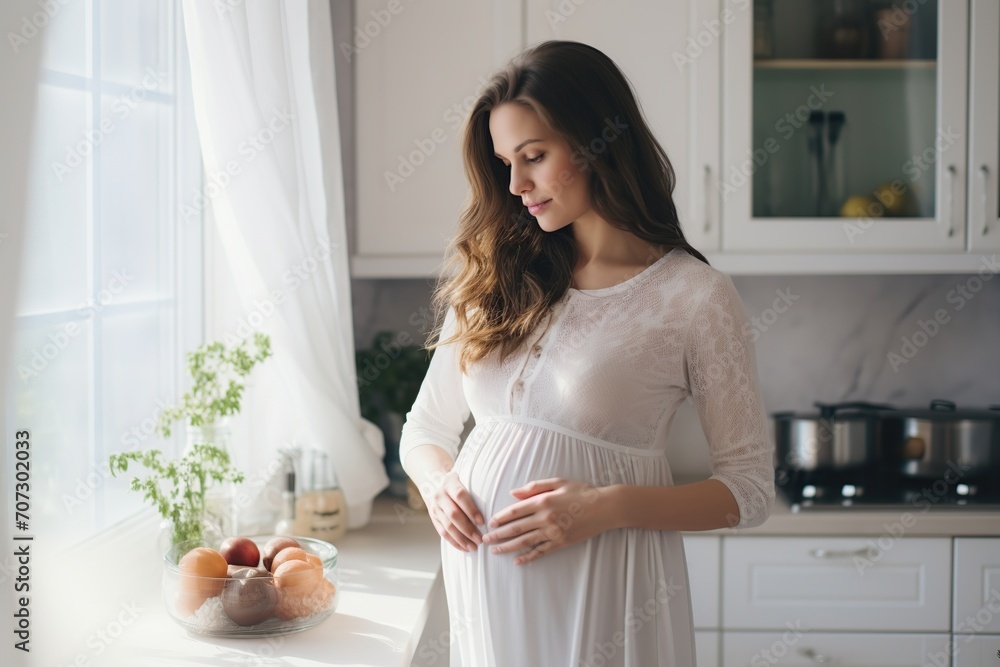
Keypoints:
pixel 844 125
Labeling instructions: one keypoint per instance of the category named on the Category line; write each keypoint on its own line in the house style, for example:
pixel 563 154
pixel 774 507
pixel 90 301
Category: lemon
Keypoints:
pixel 861 206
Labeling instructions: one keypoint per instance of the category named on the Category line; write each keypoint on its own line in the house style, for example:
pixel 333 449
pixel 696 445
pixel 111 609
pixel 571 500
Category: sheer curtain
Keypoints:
pixel 263 76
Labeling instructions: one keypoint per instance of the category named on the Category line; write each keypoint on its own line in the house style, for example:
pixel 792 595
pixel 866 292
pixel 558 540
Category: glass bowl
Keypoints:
pixel 259 605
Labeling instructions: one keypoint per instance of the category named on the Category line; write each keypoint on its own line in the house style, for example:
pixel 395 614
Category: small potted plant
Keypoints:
pixel 389 378
pixel 177 488
pixel 191 492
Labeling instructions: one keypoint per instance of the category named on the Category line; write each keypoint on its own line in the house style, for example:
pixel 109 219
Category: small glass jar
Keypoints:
pixel 221 510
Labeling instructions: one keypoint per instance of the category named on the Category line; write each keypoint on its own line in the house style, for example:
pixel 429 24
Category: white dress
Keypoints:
pixel 591 397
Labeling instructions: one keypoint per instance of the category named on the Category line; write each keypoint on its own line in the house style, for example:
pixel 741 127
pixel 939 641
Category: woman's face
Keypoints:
pixel 542 168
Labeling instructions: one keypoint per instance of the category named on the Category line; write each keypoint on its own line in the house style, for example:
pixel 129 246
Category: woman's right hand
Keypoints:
pixel 452 511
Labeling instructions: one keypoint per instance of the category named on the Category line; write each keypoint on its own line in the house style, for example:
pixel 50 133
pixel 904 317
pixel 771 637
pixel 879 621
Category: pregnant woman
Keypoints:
pixel 575 321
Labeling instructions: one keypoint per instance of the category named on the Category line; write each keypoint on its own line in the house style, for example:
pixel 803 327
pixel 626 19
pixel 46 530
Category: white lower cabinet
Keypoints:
pixel 702 554
pixel 837 584
pixel 975 651
pixel 977 587
pixel 795 647
pixel 706 646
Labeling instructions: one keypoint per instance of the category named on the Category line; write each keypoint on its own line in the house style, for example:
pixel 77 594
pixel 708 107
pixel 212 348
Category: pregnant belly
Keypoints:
pixel 500 456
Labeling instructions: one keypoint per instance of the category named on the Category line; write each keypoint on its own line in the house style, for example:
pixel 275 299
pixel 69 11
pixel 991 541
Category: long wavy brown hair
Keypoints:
pixel 502 272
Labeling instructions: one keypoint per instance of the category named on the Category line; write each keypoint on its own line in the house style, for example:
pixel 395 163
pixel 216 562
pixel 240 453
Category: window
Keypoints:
pixel 111 285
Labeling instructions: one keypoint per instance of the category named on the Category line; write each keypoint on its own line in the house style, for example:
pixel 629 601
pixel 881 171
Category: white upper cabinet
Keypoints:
pixel 984 122
pixel 844 126
pixel 671 59
pixel 828 136
pixel 418 68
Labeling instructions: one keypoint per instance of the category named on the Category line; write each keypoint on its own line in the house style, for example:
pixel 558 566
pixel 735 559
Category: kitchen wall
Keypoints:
pixel 839 338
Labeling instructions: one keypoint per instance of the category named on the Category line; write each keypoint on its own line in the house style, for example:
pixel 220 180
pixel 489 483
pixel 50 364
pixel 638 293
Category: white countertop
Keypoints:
pixel 914 521
pixel 389 571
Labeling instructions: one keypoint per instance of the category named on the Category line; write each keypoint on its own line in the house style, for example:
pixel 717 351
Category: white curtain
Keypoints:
pixel 264 86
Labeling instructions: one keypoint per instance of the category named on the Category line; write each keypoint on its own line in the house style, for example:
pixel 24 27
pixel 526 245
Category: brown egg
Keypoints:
pixel 250 600
pixel 273 547
pixel 288 554
pixel 202 575
pixel 314 559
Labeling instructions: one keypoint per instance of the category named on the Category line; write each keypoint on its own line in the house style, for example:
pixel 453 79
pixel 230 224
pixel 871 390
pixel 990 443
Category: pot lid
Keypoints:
pixel 942 410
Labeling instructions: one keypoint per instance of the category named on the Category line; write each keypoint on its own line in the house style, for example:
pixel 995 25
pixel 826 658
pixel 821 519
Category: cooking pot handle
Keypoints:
pixel 942 405
pixel 827 410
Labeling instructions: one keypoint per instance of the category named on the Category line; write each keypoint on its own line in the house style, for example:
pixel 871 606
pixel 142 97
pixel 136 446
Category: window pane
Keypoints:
pixel 55 261
pixel 53 380
pixel 135 173
pixel 67 39
pixel 135 40
pixel 137 377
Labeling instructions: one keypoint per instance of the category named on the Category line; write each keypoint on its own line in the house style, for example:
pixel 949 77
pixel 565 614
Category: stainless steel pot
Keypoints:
pixel 943 440
pixel 840 436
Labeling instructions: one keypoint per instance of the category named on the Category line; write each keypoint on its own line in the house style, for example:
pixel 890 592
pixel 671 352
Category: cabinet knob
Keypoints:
pixel 813 655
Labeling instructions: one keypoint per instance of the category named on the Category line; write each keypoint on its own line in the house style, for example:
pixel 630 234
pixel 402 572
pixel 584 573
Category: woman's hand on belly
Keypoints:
pixel 552 514
pixel 454 513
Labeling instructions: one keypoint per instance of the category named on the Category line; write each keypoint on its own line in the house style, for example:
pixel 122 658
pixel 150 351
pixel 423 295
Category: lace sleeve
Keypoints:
pixel 440 410
pixel 721 370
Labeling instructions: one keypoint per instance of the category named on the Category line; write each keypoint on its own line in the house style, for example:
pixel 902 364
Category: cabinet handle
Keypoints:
pixel 827 553
pixel 708 187
pixel 952 170
pixel 984 172
pixel 813 655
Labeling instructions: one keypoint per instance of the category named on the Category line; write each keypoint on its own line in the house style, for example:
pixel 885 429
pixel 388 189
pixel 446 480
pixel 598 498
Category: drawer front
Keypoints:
pixel 977 587
pixel 794 647
pixel 843 583
pixel 702 554
pixel 706 649
pixel 976 651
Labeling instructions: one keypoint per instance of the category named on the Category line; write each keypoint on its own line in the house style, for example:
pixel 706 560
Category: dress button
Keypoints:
pixel 537 350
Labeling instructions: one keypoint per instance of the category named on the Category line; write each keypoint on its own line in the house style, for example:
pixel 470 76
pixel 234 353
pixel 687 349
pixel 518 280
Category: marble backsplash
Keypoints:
pixel 899 339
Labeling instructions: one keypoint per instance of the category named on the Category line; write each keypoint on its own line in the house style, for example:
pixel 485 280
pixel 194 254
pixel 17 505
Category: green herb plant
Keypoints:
pixel 216 391
pixel 177 487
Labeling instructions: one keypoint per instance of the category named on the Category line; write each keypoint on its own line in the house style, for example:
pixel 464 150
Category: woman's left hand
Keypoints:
pixel 552 514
